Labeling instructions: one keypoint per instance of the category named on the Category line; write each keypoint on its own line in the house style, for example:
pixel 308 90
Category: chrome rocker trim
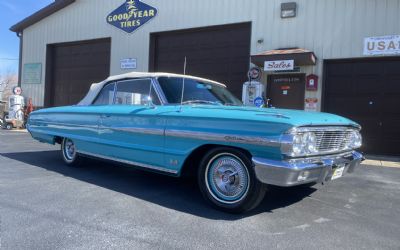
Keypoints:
pixel 133 163
pixel 294 172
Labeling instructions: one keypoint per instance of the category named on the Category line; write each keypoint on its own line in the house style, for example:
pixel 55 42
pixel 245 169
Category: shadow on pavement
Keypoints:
pixel 174 193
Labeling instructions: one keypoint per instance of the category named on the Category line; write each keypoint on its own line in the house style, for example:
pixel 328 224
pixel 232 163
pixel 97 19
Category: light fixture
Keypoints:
pixel 288 9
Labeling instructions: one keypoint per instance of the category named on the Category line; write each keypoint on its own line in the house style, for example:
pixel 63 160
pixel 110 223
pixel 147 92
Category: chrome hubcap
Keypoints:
pixel 227 178
pixel 69 149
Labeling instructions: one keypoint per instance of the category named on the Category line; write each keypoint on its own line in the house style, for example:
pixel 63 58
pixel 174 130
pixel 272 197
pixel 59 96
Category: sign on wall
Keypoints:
pixel 311 104
pixel 281 65
pixel 32 73
pixel 131 15
pixel 382 45
pixel 128 63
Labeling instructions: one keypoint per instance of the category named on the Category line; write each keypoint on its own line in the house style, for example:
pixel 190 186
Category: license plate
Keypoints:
pixel 338 172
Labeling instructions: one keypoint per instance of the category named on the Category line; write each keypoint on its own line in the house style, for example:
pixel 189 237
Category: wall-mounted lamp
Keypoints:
pixel 288 9
pixel 260 41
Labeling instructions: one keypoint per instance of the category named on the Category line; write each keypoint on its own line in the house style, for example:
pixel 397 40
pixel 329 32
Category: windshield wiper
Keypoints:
pixel 201 102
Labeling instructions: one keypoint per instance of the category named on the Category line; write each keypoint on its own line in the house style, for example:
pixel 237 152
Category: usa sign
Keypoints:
pixel 131 15
pixel 382 45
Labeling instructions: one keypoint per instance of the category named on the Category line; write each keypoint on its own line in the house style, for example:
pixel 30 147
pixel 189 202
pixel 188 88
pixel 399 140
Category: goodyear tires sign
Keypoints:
pixel 131 15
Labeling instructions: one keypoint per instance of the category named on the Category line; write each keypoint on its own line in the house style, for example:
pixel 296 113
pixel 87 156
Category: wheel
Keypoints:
pixel 9 126
pixel 227 180
pixel 69 153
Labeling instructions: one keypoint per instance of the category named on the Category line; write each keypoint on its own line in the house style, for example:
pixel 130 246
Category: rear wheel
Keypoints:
pixel 227 180
pixel 69 153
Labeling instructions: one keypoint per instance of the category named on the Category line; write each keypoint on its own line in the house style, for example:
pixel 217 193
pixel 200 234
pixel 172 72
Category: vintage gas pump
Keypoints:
pixel 253 90
pixel 16 104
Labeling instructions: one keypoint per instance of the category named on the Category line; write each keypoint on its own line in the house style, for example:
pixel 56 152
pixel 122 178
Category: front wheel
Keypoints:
pixel 69 153
pixel 227 180
pixel 9 126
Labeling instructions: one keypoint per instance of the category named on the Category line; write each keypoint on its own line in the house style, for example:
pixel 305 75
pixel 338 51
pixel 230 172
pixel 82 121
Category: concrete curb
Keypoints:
pixel 382 161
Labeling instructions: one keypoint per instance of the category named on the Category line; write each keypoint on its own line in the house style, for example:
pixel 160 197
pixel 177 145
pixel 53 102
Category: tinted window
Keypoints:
pixel 106 95
pixel 135 92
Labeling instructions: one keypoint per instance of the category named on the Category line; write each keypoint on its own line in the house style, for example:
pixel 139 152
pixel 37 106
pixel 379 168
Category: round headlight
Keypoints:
pixel 310 142
pixel 304 143
pixel 297 144
pixel 355 139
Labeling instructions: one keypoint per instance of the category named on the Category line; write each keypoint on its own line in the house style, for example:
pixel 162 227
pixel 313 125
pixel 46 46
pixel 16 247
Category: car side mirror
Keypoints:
pixel 148 101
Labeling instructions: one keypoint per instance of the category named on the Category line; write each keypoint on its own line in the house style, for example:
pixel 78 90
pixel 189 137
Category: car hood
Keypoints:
pixel 288 116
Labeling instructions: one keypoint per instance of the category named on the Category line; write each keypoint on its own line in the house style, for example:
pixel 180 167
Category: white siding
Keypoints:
pixel 330 28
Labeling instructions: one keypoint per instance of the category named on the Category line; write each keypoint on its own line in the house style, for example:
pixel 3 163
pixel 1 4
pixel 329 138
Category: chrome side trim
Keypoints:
pixel 137 130
pixel 138 164
pixel 63 124
pixel 255 140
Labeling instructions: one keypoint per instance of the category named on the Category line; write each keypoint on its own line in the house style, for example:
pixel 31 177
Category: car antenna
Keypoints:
pixel 183 84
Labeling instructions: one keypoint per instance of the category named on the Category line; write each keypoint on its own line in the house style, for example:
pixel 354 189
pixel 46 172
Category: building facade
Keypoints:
pixel 339 56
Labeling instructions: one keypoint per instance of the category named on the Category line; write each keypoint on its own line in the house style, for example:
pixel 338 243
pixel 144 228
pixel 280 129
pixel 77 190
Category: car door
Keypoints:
pixel 131 129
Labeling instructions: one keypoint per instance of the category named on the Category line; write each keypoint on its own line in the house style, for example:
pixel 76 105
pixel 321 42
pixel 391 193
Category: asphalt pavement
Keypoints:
pixel 47 205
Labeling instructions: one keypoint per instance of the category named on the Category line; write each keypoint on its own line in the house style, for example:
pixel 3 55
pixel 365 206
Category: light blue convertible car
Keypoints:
pixel 183 125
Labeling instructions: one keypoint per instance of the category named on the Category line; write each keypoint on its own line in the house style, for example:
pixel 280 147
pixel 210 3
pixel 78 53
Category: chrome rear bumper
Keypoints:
pixel 305 170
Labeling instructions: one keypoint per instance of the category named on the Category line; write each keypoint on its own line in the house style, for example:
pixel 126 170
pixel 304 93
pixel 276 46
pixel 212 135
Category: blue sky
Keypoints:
pixel 11 12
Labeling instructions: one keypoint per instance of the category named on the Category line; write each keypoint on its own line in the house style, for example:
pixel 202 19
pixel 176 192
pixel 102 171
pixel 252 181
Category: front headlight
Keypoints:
pixel 355 139
pixel 302 144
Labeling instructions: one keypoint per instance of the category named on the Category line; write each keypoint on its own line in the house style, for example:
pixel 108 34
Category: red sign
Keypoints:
pixel 312 82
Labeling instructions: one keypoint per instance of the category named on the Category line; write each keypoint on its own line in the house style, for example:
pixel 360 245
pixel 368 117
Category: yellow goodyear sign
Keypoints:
pixel 131 15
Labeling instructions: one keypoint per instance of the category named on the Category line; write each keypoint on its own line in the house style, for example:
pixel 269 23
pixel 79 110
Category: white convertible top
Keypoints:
pixel 96 87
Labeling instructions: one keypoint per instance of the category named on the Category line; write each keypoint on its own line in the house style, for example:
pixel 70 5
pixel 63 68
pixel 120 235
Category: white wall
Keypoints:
pixel 330 28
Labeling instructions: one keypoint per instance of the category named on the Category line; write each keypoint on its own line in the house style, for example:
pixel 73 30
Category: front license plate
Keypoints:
pixel 338 172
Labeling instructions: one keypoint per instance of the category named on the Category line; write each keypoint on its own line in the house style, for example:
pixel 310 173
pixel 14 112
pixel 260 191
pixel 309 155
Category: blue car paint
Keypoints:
pixel 147 135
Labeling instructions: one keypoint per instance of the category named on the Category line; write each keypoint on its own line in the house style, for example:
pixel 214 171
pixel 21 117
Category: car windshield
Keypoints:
pixel 196 92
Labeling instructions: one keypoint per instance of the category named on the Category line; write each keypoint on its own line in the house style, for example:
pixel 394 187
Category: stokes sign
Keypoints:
pixel 131 15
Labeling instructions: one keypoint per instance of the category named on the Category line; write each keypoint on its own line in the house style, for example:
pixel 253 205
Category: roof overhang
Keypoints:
pixel 41 14
pixel 301 57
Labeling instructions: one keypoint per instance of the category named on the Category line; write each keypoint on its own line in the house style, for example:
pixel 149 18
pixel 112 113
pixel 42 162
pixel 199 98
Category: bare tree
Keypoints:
pixel 8 81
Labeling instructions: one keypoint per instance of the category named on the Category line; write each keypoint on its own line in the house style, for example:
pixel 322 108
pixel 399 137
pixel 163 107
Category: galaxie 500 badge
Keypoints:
pixel 131 15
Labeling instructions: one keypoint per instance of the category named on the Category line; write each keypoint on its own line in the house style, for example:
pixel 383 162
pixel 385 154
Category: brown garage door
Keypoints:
pixel 219 53
pixel 367 91
pixel 73 68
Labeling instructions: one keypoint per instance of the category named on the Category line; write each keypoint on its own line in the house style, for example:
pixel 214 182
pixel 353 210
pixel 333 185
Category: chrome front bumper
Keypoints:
pixel 305 170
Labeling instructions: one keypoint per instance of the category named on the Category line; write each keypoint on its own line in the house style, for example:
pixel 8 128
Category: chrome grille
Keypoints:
pixel 332 140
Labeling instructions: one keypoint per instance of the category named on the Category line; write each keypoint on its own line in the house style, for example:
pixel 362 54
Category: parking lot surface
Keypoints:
pixel 47 205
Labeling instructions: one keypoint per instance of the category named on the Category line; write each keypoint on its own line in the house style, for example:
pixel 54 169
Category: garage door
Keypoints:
pixel 367 91
pixel 219 53
pixel 74 67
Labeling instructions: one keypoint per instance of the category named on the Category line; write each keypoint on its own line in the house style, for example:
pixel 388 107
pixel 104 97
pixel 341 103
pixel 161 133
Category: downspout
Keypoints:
pixel 21 40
